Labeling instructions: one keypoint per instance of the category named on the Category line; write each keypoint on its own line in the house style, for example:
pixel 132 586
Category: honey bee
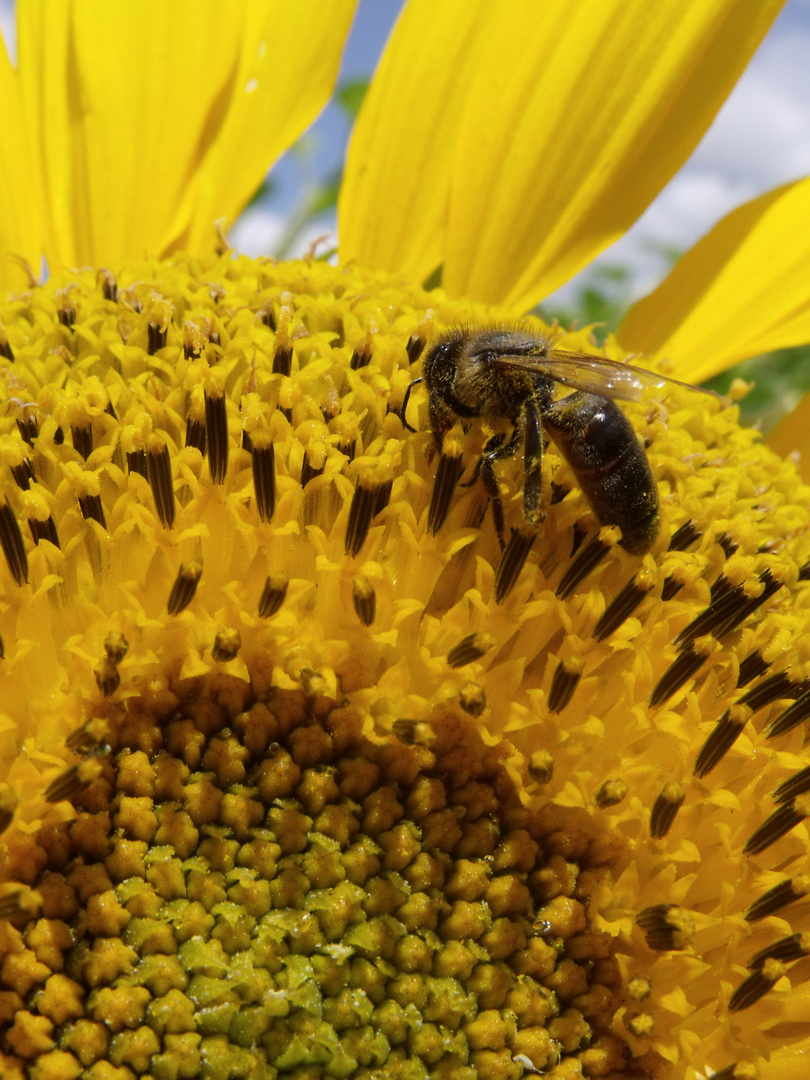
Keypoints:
pixel 499 375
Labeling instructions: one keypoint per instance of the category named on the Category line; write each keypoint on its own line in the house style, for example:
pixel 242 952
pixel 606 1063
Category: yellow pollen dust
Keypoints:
pixel 340 733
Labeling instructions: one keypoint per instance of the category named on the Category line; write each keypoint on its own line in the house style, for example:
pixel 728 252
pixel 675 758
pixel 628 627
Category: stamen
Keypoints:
pixel 309 472
pixel 793 786
pixel 107 676
pixel 752 667
pixel 365 600
pixel 666 926
pixel 583 565
pixel 728 545
pixel 670 588
pixel 23 474
pixel 282 360
pixel 610 793
pixel 564 682
pixel 185 586
pixel 780 822
pixel 66 312
pixel 785 949
pixel 156 336
pixel 665 809
pixel 12 543
pixel 361 512
pixel 195 434
pixel 512 561
pixel 722 738
pixel 28 428
pixel 620 608
pixel 109 288
pixel 136 463
pixel 448 474
pixel 791 717
pixel 348 449
pixel 684 537
pixel 541 767
pixel 756 985
pixel 776 686
pixel 263 464
pixel 470 648
pixel 21 902
pixel 216 424
pixel 91 508
pixel 415 347
pixel 8 804
pixel 159 470
pixel 361 357
pixel 682 668
pixel 472 699
pixel 414 732
pixel 382 497
pixel 5 348
pixel 804 572
pixel 557 492
pixel 770 586
pixel 82 439
pixel 73 780
pixel 273 594
pixel 91 735
pixel 786 892
pixel 43 530
pixel 226 645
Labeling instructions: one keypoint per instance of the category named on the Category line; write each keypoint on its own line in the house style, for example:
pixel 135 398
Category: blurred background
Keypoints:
pixel 759 140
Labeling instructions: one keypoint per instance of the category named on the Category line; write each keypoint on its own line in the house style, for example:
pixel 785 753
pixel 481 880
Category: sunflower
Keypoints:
pixel 346 732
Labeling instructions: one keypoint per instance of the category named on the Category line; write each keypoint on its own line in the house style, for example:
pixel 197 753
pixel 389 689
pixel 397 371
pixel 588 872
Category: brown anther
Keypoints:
pixel 12 543
pixel 414 732
pixel 92 510
pixel 20 902
pixel 448 474
pixel 472 699
pixel 263 463
pixel 757 984
pixel 82 436
pixel 216 426
pixel 226 645
pixel 43 530
pixel 185 586
pixel 664 810
pixel 771 902
pixel 610 793
pixel 666 927
pixel 273 594
pixel 512 561
pixel 90 735
pixel 159 475
pixel 109 288
pixel 8 804
pixel 73 780
pixel 107 676
pixel 5 349
pixel 564 682
pixel 470 649
pixel 541 766
pixel 364 599
pixel 116 646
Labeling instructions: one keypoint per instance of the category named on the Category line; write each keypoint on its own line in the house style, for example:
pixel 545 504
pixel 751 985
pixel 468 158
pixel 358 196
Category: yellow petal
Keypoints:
pixel 564 120
pixel 742 290
pixel 392 211
pixel 792 435
pixel 20 220
pixel 135 105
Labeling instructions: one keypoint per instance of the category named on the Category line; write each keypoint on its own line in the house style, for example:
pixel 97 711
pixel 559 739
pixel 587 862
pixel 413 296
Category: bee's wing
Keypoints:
pixel 593 374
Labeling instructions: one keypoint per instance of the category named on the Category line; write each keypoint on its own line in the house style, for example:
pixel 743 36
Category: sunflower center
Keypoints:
pixel 254 887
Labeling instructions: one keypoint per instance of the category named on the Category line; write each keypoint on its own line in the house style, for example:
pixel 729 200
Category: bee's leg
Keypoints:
pixel 405 401
pixel 496 450
pixel 532 460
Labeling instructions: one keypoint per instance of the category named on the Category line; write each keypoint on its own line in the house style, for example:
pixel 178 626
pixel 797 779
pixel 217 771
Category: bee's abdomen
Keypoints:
pixel 601 446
